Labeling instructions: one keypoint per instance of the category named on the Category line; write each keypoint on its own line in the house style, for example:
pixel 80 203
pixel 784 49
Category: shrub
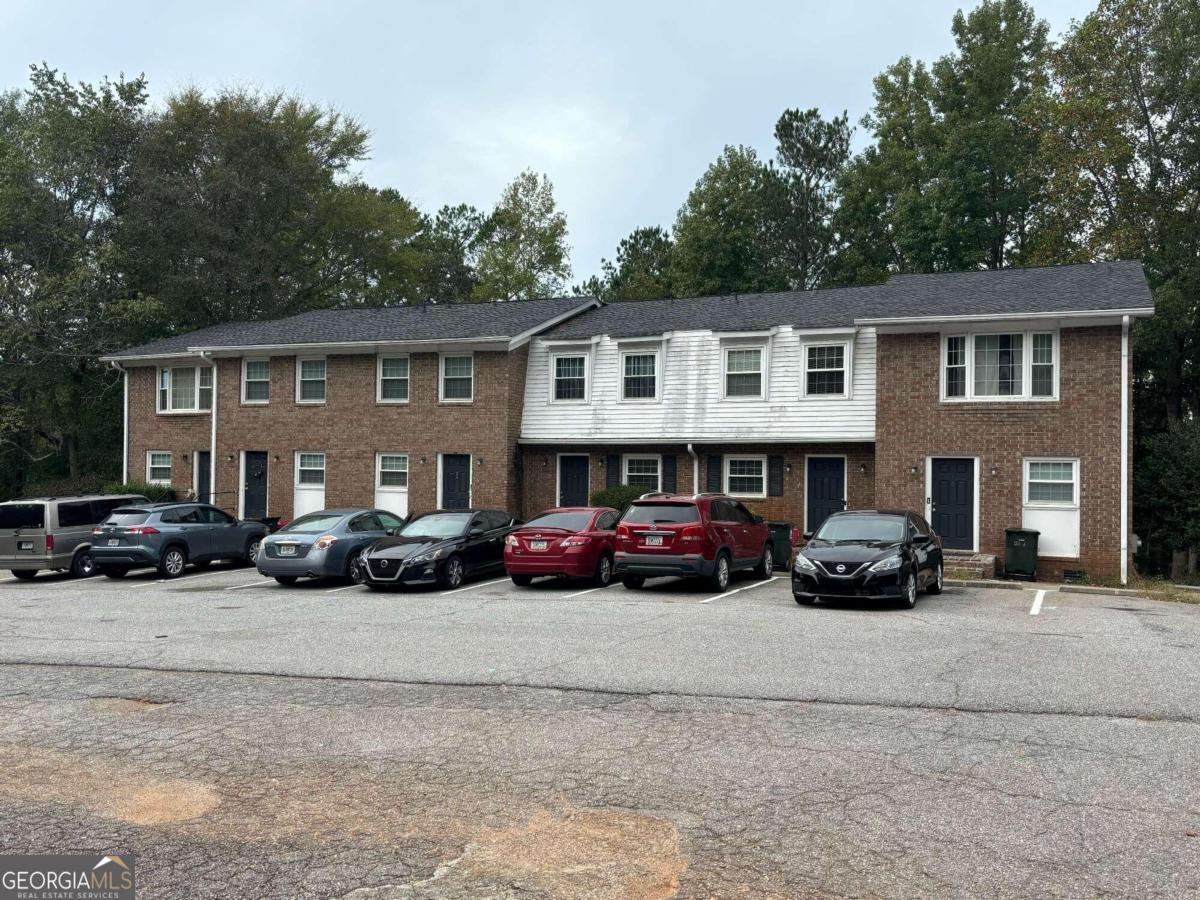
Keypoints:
pixel 618 497
pixel 155 493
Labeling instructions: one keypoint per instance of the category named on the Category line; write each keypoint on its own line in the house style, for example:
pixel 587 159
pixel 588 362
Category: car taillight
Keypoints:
pixel 142 529
pixel 574 541
pixel 512 541
pixel 624 534
pixel 796 535
pixel 692 533
pixel 97 531
pixel 49 542
pixel 325 541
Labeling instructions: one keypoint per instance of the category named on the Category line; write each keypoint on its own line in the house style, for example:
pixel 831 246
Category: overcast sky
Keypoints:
pixel 623 105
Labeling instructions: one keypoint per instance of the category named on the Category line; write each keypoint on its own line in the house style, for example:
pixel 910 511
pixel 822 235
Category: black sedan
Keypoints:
pixel 872 554
pixel 445 548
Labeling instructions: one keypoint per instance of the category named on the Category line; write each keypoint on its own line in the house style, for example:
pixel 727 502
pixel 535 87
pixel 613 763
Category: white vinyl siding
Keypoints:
pixel 643 471
pixel 746 476
pixel 1000 366
pixel 158 466
pixel 310 380
pixel 457 379
pixel 393 379
pixel 256 381
pixel 185 389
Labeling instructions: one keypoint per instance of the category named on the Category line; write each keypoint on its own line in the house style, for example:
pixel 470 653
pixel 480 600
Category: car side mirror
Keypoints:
pixel 390 532
pixel 475 531
pixel 757 520
pixel 808 535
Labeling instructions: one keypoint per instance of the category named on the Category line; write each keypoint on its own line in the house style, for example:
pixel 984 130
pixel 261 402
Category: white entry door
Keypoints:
pixel 391 483
pixel 309 495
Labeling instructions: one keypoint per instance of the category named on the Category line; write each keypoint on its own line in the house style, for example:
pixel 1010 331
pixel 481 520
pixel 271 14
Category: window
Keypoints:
pixel 746 476
pixel 310 469
pixel 570 377
pixel 458 378
pixel 639 378
pixel 825 370
pixel 366 522
pixel 256 380
pixel 1010 366
pixel 158 467
pixel 744 372
pixel 310 380
pixel 393 470
pixel 393 379
pixel 185 389
pixel 73 515
pixel 215 516
pixel 643 472
pixel 1051 482
pixel 607 521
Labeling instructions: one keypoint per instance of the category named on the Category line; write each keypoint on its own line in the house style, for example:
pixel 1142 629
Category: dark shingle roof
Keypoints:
pixel 391 323
pixel 1051 289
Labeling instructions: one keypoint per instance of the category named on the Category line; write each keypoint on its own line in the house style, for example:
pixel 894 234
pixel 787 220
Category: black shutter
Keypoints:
pixel 714 473
pixel 774 476
pixel 668 473
pixel 613 476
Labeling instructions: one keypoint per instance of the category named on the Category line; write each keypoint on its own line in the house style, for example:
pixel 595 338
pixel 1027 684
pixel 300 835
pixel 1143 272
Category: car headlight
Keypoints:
pixel 804 564
pixel 889 564
pixel 427 557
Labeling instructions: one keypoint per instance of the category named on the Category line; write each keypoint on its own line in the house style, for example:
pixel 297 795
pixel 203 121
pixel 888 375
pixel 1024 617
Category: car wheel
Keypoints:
pixel 604 571
pixel 83 566
pixel 286 579
pixel 354 568
pixel 719 579
pixel 804 601
pixel 766 565
pixel 910 591
pixel 452 573
pixel 522 580
pixel 25 574
pixel 633 582
pixel 172 563
pixel 935 586
pixel 113 572
pixel 252 550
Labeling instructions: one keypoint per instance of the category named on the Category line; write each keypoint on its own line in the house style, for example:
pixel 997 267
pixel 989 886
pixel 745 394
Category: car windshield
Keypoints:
pixel 437 525
pixel 124 517
pixel 861 529
pixel 312 523
pixel 661 513
pixel 23 515
pixel 567 521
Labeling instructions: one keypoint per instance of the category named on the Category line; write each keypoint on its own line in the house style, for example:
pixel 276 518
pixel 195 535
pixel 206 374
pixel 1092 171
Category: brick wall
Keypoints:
pixel 912 424
pixel 181 433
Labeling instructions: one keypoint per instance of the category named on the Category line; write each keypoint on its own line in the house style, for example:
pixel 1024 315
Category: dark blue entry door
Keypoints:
pixel 254 488
pixel 572 481
pixel 826 488
pixel 952 497
pixel 456 481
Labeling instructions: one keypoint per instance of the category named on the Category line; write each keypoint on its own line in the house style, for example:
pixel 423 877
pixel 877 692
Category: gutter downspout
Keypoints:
pixel 212 438
pixel 124 420
pixel 1124 449
pixel 695 468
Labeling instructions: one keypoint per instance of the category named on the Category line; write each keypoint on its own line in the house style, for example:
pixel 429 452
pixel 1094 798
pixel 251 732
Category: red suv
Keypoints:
pixel 709 535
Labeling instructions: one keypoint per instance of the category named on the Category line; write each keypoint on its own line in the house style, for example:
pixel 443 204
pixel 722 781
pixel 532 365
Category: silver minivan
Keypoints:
pixel 54 533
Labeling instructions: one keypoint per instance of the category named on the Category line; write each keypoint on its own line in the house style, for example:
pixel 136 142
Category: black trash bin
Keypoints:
pixel 781 543
pixel 1021 553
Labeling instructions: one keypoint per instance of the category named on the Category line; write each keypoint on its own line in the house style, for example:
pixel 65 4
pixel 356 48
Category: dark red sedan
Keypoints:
pixel 575 541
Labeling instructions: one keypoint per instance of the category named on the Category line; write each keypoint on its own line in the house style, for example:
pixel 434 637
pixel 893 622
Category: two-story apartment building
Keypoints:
pixel 984 399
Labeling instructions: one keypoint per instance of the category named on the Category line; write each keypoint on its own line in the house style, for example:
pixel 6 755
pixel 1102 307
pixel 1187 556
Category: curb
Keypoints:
pixel 1102 591
pixel 1002 585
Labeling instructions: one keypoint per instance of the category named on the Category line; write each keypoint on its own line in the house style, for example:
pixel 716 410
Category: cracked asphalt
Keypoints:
pixel 240 739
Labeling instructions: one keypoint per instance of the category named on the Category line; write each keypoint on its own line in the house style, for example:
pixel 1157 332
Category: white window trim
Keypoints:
pixel 150 479
pixel 250 359
pixel 379 398
pixel 300 360
pixel 587 375
pixel 194 410
pixel 442 379
pixel 763 368
pixel 379 485
pixel 657 353
pixel 847 368
pixel 657 457
pixel 1026 395
pixel 1050 504
pixel 324 469
pixel 744 457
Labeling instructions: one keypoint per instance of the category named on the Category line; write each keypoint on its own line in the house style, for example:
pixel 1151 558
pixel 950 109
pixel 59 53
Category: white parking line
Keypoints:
pixel 181 578
pixel 1037 603
pixel 739 590
pixel 471 586
pixel 262 582
pixel 344 588
pixel 581 593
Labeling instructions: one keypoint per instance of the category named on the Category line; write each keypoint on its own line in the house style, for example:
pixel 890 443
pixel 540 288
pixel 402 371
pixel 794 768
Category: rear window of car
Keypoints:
pixel 23 515
pixel 661 513
pixel 568 521
pixel 311 524
pixel 125 517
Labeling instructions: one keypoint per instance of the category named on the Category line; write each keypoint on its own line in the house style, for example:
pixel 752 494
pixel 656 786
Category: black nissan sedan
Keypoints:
pixel 445 547
pixel 882 554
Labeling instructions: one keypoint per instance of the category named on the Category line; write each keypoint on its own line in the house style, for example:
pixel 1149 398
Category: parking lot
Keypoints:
pixel 560 740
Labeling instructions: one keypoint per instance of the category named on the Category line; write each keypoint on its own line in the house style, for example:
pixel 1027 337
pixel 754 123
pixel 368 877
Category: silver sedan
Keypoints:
pixel 325 544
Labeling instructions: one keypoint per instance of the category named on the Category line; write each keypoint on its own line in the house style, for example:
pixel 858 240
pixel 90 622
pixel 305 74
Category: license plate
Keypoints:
pixel 114 542
pixel 654 540
pixel 287 549
pixel 24 545
pixel 537 545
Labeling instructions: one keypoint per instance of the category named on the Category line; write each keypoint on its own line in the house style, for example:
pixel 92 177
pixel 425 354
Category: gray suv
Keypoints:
pixel 169 536
pixel 54 533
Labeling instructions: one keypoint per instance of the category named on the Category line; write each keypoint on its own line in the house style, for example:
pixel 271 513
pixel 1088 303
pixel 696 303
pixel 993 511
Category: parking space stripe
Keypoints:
pixel 1037 603
pixel 739 590
pixel 588 591
pixel 181 578
pixel 343 588
pixel 262 582
pixel 471 586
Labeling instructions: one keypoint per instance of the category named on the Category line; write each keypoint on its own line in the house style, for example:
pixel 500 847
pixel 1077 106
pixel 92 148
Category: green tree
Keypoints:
pixel 522 245
pixel 448 245
pixel 641 270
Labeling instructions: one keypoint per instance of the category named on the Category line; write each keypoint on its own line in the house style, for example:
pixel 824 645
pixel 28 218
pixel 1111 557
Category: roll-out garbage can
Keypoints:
pixel 781 543
pixel 1021 553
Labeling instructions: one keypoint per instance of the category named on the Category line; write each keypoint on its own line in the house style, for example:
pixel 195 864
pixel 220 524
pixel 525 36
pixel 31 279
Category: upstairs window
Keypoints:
pixel 956 366
pixel 310 380
pixel 1042 381
pixel 744 372
pixel 825 370
pixel 999 365
pixel 1002 366
pixel 570 377
pixel 185 389
pixel 256 381
pixel 393 379
pixel 458 378
pixel 639 375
